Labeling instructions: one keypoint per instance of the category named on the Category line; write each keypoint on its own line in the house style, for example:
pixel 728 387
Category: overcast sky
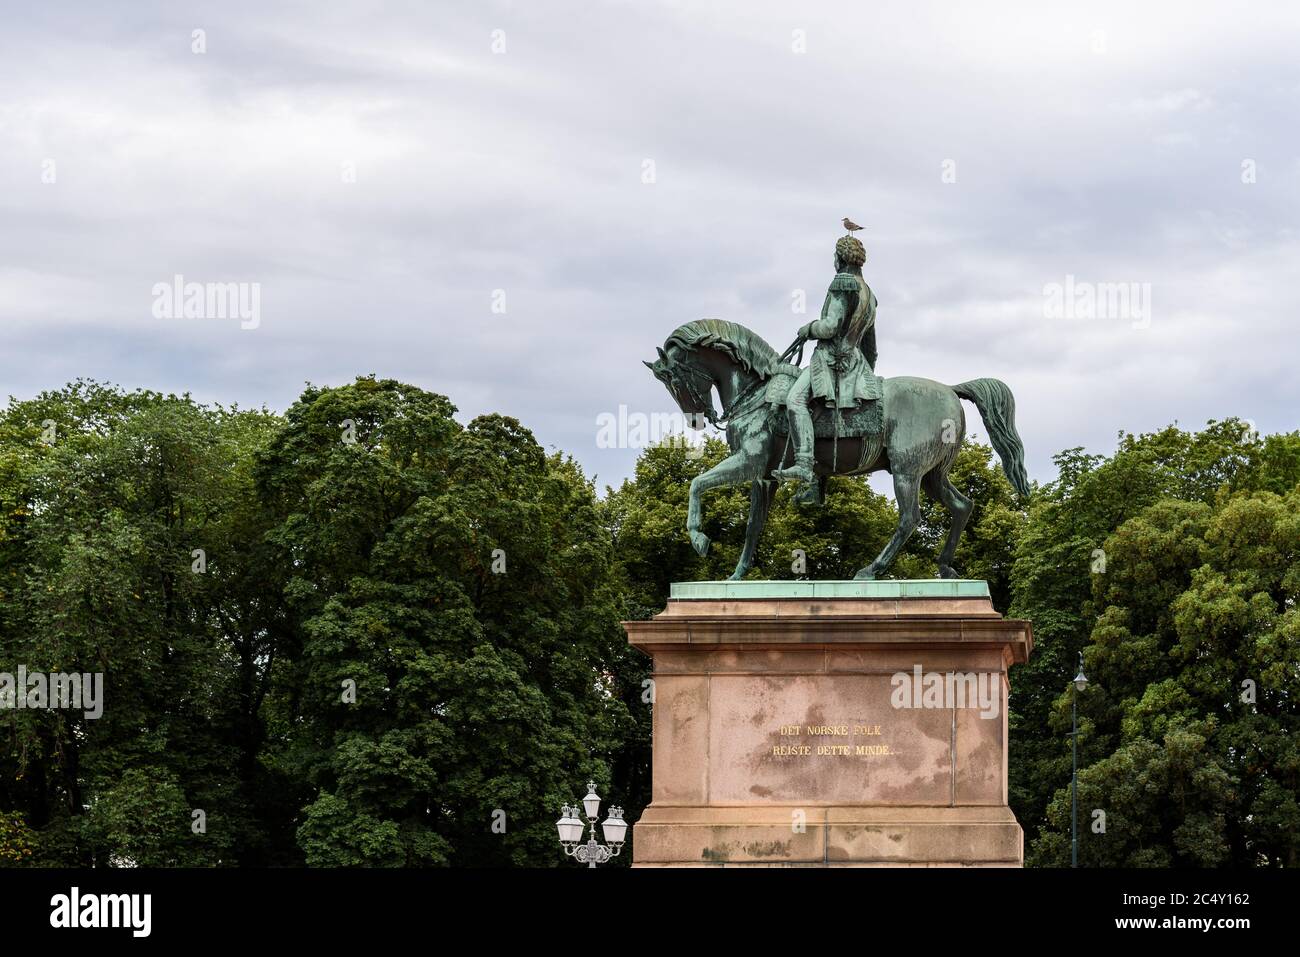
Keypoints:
pixel 387 172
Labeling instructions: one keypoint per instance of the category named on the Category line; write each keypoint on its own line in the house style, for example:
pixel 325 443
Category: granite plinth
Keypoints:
pixel 830 723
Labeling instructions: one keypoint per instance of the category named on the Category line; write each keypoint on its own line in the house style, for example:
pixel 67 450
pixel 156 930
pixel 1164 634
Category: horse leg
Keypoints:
pixel 907 492
pixel 760 500
pixel 734 469
pixel 939 488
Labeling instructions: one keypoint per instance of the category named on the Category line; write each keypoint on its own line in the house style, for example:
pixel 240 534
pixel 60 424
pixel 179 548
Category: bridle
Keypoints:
pixel 706 400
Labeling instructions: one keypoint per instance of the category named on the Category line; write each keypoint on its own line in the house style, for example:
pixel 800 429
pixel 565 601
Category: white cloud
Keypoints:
pixel 522 171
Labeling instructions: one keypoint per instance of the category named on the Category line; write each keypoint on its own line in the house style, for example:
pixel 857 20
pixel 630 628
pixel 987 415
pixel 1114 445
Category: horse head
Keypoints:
pixel 687 381
pixel 709 353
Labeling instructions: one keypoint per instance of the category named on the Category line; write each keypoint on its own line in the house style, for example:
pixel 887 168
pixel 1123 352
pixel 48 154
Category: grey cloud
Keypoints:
pixel 522 172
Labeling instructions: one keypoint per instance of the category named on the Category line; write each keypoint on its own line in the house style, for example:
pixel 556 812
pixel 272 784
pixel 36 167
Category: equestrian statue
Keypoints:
pixel 835 417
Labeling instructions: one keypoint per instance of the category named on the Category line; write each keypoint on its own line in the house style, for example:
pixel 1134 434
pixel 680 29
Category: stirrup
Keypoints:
pixel 795 473
pixel 801 471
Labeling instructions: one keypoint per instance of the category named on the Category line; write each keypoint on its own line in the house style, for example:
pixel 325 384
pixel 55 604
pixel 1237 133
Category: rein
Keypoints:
pixel 736 403
pixel 719 421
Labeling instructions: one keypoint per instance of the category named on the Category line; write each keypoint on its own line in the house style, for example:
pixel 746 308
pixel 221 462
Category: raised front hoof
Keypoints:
pixel 700 542
pixel 867 574
pixel 947 571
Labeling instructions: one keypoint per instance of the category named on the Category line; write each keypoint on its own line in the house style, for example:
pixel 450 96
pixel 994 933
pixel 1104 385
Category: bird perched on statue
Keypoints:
pixel 850 225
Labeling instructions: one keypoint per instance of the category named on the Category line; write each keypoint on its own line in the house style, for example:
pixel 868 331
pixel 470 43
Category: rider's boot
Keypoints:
pixel 802 470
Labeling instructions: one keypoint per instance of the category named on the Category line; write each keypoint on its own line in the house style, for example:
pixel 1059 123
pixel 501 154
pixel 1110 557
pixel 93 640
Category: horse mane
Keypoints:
pixel 743 345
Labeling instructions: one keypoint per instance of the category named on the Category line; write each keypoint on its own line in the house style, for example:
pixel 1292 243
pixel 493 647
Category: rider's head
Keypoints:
pixel 849 254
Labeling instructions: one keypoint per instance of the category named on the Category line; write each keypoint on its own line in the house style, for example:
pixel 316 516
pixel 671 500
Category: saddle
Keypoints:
pixel 864 421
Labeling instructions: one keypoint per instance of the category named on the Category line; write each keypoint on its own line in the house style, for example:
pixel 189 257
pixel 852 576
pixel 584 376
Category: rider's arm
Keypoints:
pixel 840 299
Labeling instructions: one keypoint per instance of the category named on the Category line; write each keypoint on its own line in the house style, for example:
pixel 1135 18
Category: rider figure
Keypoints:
pixel 842 369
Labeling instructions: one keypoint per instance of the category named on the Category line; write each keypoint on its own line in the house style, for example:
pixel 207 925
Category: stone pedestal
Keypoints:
pixel 830 724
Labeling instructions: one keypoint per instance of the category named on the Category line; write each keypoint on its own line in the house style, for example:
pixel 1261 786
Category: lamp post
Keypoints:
pixel 1080 682
pixel 570 828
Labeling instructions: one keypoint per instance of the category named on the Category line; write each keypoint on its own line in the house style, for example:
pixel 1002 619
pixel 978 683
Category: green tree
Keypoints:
pixel 106 498
pixel 451 589
pixel 1171 565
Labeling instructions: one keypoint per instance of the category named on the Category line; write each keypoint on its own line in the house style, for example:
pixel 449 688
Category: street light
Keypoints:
pixel 1080 682
pixel 615 827
pixel 592 801
pixel 570 828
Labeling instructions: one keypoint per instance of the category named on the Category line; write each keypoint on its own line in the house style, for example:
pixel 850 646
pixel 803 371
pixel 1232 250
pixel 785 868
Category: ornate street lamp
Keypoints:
pixel 1080 682
pixel 570 828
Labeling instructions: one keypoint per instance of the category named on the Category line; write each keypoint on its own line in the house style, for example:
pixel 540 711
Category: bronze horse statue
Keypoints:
pixel 915 434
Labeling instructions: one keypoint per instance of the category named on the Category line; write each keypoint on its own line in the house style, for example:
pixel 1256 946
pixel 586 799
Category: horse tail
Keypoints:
pixel 997 407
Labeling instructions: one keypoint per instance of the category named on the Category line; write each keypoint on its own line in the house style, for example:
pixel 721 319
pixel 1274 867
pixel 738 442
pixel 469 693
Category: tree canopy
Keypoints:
pixel 364 633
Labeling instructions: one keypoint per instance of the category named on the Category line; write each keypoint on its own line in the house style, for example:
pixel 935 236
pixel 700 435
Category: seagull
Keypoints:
pixel 850 225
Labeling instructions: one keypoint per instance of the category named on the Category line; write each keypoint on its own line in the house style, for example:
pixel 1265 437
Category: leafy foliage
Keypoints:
pixel 366 634
pixel 1174 566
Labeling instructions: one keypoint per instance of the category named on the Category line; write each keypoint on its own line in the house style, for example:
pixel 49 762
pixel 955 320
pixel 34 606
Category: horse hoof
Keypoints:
pixel 737 575
pixel 867 574
pixel 947 571
pixel 700 542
